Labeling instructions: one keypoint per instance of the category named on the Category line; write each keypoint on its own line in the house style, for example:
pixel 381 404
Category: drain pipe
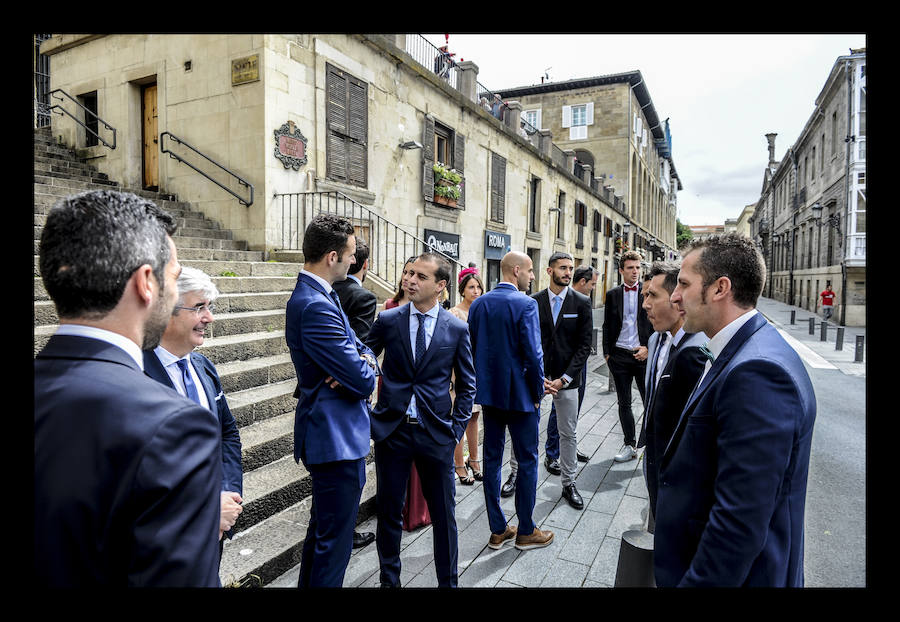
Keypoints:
pixel 847 202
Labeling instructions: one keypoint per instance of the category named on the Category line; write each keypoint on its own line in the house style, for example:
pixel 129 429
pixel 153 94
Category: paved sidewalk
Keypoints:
pixel 812 349
pixel 585 548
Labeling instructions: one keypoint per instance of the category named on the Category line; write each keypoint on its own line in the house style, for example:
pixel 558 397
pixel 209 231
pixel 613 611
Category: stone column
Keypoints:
pixel 586 173
pixel 570 160
pixel 513 116
pixel 546 141
pixel 468 76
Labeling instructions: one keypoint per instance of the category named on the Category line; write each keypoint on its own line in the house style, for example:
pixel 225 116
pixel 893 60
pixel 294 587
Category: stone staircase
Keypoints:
pixel 246 343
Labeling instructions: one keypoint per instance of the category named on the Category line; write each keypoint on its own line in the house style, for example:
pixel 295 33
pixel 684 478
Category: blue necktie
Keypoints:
pixel 557 302
pixel 420 337
pixel 189 385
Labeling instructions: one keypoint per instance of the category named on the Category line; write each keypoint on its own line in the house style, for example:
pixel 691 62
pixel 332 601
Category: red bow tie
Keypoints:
pixel 633 288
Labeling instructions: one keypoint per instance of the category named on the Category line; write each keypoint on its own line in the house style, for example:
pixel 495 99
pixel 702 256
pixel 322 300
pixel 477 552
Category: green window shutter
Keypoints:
pixel 428 158
pixel 459 158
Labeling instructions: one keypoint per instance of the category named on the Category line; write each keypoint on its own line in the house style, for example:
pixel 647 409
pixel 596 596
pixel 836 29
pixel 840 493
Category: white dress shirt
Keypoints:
pixel 325 284
pixel 92 332
pixel 628 336
pixel 415 316
pixel 721 338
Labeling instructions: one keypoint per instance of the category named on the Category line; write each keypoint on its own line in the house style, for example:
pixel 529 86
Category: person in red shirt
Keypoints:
pixel 827 302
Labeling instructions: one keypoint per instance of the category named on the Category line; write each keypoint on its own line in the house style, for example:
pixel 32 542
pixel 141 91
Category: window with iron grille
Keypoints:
pixel 41 83
pixel 346 119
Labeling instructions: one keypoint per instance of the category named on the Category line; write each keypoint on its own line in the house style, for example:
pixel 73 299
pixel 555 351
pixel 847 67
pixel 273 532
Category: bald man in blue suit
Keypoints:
pixel 509 367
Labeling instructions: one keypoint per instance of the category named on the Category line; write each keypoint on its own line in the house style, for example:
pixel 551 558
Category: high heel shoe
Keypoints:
pixel 467 480
pixel 478 475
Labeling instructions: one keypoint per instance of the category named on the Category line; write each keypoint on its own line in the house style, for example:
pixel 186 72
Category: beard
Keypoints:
pixel 157 323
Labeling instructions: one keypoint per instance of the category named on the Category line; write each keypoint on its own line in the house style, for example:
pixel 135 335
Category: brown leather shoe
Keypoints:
pixel 535 540
pixel 499 539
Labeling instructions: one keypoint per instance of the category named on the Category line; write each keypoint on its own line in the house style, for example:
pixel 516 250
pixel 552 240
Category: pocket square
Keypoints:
pixel 567 316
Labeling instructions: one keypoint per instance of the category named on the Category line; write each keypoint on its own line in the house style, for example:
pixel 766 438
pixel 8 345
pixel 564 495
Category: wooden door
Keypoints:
pixel 150 138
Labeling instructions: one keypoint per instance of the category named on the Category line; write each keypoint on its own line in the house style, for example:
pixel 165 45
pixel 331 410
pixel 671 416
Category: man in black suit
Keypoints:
pixel 675 365
pixel 626 330
pixel 415 419
pixel 359 305
pixel 127 473
pixel 565 320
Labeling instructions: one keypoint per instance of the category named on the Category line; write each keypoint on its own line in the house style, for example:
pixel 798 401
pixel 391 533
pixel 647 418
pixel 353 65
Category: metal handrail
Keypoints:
pixel 79 121
pixel 389 245
pixel 240 180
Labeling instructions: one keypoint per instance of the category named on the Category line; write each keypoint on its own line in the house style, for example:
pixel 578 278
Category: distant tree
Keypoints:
pixel 683 234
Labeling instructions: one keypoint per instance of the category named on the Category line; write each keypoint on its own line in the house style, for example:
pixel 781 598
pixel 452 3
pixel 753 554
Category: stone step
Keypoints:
pixel 271 488
pixel 241 375
pixel 247 284
pixel 216 267
pixel 228 259
pixel 264 402
pixel 266 441
pixel 211 243
pixel 244 347
pixel 246 322
pixel 273 546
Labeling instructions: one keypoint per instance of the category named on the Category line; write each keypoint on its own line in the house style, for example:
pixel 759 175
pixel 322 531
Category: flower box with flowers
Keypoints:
pixel 446 185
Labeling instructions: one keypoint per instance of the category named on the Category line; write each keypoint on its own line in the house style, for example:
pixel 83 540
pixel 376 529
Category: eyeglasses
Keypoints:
pixel 199 309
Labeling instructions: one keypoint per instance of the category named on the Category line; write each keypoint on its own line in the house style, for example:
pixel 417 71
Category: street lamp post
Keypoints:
pixel 833 220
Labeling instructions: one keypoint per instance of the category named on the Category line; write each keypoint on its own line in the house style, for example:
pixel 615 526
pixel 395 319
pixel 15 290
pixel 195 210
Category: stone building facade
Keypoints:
pixel 353 119
pixel 609 124
pixel 810 219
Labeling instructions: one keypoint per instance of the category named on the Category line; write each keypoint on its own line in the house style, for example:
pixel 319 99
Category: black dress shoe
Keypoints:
pixel 570 494
pixel 581 457
pixel 362 539
pixel 509 487
pixel 552 465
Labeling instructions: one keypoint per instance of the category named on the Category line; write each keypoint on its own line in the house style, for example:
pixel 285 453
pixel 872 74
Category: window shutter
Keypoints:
pixel 459 161
pixel 498 188
pixel 358 114
pixel 346 118
pixel 589 113
pixel 567 116
pixel 428 158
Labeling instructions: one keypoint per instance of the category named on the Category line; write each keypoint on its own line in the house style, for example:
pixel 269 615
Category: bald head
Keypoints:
pixel 518 269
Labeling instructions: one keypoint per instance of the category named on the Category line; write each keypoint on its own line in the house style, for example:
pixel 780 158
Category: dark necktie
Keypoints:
pixel 420 337
pixel 189 386
pixel 659 347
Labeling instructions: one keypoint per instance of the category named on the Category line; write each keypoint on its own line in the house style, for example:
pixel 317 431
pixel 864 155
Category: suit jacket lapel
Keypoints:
pixel 402 325
pixel 205 380
pixel 153 367
pixel 437 337
pixel 735 344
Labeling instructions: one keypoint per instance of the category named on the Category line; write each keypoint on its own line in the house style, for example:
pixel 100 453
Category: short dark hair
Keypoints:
pixel 738 258
pixel 630 256
pixel 585 273
pixel 362 253
pixel 325 233
pixel 667 268
pixel 557 256
pixel 465 281
pixel 93 242
pixel 442 273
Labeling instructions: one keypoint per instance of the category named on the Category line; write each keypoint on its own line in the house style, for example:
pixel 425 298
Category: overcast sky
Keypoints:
pixel 721 93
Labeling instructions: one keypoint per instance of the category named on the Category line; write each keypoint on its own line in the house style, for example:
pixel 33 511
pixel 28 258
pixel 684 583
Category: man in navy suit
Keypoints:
pixel 175 364
pixel 675 363
pixel 335 376
pixel 732 481
pixel 414 419
pixel 626 330
pixel 509 366
pixel 127 473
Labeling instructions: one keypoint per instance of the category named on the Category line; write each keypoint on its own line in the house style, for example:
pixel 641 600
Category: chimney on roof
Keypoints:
pixel 771 138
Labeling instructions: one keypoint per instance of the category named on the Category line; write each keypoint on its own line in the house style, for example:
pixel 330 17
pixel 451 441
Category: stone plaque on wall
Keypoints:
pixel 244 70
pixel 290 146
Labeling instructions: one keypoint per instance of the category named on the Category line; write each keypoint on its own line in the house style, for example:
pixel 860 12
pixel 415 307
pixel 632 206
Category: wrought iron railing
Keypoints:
pixel 389 245
pixel 238 178
pixel 41 83
pixel 429 56
pixel 58 93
